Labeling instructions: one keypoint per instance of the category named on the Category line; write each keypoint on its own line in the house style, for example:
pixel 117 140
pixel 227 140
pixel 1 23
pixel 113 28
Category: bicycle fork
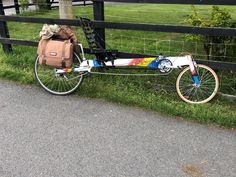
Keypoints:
pixel 194 73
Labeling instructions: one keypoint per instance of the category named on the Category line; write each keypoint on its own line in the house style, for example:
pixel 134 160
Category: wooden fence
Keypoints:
pixel 101 25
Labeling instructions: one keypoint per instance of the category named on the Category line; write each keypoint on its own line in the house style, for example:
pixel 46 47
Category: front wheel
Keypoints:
pixel 202 92
pixel 58 84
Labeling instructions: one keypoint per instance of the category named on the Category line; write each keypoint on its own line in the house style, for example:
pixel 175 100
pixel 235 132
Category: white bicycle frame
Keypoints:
pixel 177 62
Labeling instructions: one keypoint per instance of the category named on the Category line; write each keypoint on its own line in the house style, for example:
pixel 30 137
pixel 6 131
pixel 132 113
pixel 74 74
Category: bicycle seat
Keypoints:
pixel 92 38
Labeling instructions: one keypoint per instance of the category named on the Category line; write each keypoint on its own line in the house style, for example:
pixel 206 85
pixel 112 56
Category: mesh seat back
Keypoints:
pixel 91 37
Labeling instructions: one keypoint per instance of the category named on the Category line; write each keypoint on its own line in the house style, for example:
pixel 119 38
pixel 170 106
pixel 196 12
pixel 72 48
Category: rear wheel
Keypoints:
pixel 58 84
pixel 201 93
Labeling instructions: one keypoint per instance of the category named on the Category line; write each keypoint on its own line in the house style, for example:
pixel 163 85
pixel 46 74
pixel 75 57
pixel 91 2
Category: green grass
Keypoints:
pixel 135 41
pixel 152 93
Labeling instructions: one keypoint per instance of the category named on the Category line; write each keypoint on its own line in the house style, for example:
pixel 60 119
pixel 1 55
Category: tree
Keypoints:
pixel 65 9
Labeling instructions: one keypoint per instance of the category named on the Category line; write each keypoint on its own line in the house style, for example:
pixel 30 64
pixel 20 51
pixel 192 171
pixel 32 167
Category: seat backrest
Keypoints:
pixel 91 37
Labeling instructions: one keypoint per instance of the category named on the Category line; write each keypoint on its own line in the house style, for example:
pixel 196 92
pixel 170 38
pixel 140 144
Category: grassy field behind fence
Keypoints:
pixel 152 93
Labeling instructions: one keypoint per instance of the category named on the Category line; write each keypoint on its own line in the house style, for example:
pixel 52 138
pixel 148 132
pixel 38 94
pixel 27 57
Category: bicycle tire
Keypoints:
pixel 204 92
pixel 62 84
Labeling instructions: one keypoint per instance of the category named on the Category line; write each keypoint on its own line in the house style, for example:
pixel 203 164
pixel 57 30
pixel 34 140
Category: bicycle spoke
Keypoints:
pixel 57 84
pixel 188 92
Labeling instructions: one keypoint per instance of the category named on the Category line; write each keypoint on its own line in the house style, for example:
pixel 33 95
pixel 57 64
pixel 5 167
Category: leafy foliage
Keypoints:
pixel 214 46
pixel 41 4
pixel 24 4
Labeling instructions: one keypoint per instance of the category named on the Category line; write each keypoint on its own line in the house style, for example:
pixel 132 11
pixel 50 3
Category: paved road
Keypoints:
pixel 48 136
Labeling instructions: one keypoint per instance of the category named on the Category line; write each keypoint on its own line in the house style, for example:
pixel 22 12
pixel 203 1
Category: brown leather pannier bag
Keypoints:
pixel 55 53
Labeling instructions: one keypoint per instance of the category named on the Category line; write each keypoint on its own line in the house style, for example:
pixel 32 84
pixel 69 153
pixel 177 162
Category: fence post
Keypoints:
pixel 49 4
pixel 98 13
pixel 17 7
pixel 4 31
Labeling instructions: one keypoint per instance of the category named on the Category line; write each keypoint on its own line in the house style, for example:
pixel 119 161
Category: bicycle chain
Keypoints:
pixel 122 74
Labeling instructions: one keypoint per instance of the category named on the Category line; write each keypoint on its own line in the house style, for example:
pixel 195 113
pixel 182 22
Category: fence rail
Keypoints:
pixel 129 26
pixel 227 66
pixel 39 20
pixel 197 2
pixel 101 25
pixel 168 28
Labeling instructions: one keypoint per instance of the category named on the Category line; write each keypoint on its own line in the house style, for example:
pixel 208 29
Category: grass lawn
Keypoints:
pixel 152 93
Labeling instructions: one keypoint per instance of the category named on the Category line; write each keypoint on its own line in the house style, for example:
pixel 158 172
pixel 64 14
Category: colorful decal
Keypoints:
pixel 67 70
pixel 194 74
pixel 153 64
pixel 96 63
pixel 142 61
pixel 135 62
pixel 196 79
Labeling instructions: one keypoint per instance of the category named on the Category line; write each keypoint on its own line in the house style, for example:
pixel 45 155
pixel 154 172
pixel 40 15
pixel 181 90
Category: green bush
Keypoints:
pixel 24 4
pixel 215 46
pixel 41 4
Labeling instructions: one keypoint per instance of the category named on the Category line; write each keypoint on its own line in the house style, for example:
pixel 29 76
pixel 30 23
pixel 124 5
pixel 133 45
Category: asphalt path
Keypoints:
pixel 42 135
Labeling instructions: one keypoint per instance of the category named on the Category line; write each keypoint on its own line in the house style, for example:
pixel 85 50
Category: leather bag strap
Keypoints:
pixel 63 54
pixel 43 51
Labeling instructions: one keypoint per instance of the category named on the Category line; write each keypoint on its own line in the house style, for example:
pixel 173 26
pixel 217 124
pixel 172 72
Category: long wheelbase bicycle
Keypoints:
pixel 195 84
